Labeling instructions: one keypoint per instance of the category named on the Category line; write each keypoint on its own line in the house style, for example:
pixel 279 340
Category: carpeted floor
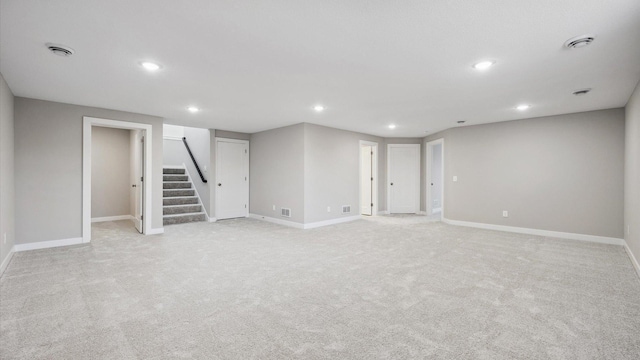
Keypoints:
pixel 380 288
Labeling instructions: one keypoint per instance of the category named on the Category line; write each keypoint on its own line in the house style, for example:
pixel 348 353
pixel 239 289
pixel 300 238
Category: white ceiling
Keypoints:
pixel 256 65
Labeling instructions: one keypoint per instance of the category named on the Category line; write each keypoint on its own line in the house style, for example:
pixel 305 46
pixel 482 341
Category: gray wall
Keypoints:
pixel 331 172
pixel 276 170
pixel 7 199
pixel 632 174
pixel 110 172
pixel 175 153
pixel 559 173
pixel 48 167
pixel 232 135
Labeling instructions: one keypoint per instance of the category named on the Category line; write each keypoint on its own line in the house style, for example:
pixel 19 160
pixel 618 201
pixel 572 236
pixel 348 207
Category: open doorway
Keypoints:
pixel 116 167
pixel 368 178
pixel 435 177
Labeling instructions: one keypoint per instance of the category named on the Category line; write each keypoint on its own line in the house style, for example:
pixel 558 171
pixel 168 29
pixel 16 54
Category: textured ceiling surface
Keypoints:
pixel 256 65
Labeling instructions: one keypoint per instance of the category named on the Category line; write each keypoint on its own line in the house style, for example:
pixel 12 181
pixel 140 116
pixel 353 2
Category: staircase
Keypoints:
pixel 180 204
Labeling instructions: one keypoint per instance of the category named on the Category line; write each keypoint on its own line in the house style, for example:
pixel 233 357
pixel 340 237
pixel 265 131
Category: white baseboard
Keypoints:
pixel 633 259
pixel 277 221
pixel 331 222
pixel 383 212
pixel 422 213
pixel 212 219
pixel 436 210
pixel 556 234
pixel 305 226
pixel 155 231
pixel 6 261
pixel 47 244
pixel 112 218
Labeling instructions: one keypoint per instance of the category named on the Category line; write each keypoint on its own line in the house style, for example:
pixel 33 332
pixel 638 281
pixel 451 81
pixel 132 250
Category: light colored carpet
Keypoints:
pixel 380 288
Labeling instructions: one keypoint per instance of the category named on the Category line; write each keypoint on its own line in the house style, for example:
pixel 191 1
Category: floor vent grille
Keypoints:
pixel 286 212
pixel 346 209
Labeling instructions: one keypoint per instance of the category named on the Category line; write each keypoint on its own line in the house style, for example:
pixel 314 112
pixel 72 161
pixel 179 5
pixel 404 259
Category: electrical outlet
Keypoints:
pixel 505 213
pixel 455 178
pixel 274 208
pixel 328 208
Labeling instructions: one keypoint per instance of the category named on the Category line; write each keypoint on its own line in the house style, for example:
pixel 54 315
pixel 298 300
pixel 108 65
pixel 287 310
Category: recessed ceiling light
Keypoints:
pixel 150 66
pixel 483 65
pixel 392 126
pixel 579 41
pixel 318 108
pixel 193 109
pixel 523 107
pixel 581 92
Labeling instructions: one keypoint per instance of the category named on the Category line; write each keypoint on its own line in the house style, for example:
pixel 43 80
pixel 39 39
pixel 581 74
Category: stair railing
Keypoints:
pixel 184 140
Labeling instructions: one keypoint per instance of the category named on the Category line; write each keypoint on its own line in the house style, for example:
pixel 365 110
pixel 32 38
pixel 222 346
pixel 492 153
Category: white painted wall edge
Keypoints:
pixel 383 212
pixel 177 138
pixel 277 221
pixel 212 219
pixel 112 218
pixel 332 222
pixel 633 259
pixel 6 261
pixel 155 231
pixel 47 244
pixel 548 233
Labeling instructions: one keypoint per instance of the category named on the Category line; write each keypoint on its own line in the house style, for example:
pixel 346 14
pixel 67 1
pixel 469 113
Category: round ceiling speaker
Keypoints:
pixel 60 50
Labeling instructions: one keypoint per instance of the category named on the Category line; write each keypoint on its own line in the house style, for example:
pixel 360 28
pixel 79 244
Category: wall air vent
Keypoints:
pixel 346 209
pixel 60 50
pixel 285 212
pixel 579 41
pixel 581 92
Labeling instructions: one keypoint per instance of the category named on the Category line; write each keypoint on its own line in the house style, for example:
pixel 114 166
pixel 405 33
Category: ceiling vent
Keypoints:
pixel 581 92
pixel 60 50
pixel 579 41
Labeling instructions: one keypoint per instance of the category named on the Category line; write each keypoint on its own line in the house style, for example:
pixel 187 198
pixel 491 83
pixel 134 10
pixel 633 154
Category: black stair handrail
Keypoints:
pixel 184 140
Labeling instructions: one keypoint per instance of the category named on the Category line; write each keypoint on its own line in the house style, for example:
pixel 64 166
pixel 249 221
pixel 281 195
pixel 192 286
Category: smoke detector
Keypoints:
pixel 60 50
pixel 579 41
pixel 581 92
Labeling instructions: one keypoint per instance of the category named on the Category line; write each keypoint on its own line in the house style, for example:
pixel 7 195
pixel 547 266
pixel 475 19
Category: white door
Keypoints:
pixel 404 178
pixel 137 183
pixel 232 178
pixel 366 181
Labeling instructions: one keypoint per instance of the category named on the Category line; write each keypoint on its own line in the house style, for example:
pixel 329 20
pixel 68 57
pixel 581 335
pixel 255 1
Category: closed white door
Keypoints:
pixel 366 185
pixel 404 178
pixel 232 178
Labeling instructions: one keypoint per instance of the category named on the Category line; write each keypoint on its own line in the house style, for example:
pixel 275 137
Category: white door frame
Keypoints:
pixel 374 171
pixel 218 139
pixel 87 124
pixel 429 145
pixel 417 200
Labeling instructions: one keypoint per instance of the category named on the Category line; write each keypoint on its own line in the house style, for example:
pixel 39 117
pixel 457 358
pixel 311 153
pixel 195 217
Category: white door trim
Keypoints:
pixel 215 185
pixel 429 145
pixel 87 124
pixel 389 146
pixel 374 171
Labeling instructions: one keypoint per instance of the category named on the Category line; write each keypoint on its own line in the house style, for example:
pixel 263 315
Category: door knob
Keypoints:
pixel 219 184
pixel 431 184
pixel 391 183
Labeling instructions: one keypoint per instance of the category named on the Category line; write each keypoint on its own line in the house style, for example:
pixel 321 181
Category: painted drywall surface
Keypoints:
pixel 110 172
pixel 176 154
pixel 232 135
pixel 559 173
pixel 632 174
pixel 48 146
pixel 7 197
pixel 331 171
pixel 276 170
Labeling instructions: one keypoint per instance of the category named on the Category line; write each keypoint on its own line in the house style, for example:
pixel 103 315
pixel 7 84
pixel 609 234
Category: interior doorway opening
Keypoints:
pixel 435 177
pixel 116 166
pixel 368 178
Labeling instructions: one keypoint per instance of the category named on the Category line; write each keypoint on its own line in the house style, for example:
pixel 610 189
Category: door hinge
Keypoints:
pixel 141 178
pixel 371 179
pixel 141 217
pixel 245 151
pixel 371 204
pixel 372 153
pixel 245 206
pixel 245 178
